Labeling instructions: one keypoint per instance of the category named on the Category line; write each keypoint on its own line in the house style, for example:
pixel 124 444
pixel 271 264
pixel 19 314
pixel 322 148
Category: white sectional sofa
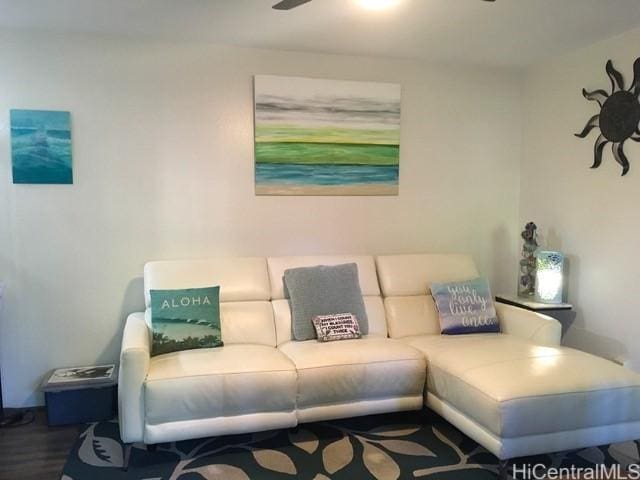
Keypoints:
pixel 516 393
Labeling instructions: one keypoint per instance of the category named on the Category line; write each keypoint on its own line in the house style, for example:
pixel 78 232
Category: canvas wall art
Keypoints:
pixel 326 137
pixel 41 146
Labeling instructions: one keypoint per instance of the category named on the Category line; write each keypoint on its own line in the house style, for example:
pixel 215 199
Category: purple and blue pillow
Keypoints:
pixel 465 307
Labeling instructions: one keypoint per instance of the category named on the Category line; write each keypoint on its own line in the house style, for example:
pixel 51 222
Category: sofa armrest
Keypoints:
pixel 134 365
pixel 529 325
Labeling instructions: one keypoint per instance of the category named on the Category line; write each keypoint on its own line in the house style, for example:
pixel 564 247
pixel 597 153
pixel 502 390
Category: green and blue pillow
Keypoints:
pixel 185 319
pixel 465 307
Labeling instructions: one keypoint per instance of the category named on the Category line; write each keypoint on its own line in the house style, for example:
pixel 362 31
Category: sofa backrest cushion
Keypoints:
pixel 411 315
pixel 402 275
pixel 245 311
pixel 240 279
pixel 247 322
pixel 366 270
pixel 405 281
pixel 368 285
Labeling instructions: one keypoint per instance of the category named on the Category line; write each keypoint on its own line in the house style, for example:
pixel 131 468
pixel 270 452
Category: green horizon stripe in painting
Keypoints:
pixel 341 164
pixel 339 144
pixel 289 133
pixel 327 154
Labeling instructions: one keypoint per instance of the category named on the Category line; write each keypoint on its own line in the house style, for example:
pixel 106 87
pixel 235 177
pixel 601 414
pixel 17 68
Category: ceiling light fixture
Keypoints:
pixel 378 4
pixel 368 4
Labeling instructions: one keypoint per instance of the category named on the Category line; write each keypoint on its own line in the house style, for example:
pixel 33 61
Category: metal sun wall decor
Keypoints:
pixel 619 116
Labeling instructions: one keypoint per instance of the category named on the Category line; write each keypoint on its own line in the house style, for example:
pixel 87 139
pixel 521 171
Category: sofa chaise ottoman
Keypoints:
pixel 516 395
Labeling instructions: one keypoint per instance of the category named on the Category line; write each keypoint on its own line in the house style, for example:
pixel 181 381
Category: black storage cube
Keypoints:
pixel 82 405
pixel 81 394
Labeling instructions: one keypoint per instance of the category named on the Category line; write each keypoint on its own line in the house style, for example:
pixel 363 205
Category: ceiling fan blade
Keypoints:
pixel 289 4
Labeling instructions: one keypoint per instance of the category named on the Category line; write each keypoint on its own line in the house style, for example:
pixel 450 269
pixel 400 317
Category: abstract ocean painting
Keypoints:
pixel 41 146
pixel 326 137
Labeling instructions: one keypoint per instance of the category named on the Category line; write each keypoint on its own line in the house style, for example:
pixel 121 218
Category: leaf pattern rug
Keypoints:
pixel 383 447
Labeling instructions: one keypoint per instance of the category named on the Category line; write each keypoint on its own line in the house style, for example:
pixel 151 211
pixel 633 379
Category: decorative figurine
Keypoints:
pixel 527 281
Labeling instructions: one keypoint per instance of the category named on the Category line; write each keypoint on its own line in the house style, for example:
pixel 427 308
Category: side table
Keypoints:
pixel 81 394
pixel 563 312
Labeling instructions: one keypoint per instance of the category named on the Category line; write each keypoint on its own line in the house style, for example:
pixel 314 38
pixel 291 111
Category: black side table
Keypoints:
pixel 563 312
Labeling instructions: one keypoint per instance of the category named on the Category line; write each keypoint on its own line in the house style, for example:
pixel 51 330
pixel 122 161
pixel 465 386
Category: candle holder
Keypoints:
pixel 549 276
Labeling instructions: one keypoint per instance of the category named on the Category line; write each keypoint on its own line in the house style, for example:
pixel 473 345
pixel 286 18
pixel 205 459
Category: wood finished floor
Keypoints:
pixel 35 451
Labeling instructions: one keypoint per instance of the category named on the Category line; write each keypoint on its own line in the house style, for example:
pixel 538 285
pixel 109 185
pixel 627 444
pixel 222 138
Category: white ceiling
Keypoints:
pixel 507 32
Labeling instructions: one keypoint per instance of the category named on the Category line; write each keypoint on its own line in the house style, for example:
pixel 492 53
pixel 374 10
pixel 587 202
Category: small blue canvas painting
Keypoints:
pixel 41 146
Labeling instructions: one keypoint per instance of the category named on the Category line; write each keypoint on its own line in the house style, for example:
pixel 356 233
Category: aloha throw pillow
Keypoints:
pixel 185 319
pixel 465 307
pixel 323 290
pixel 341 326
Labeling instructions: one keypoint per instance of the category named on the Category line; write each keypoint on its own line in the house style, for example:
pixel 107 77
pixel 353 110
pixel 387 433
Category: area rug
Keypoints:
pixel 392 446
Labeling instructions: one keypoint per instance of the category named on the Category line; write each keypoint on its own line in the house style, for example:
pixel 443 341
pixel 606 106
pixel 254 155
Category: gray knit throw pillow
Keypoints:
pixel 323 290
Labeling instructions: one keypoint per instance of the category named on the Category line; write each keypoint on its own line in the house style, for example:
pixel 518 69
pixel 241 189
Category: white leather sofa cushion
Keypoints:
pixel 242 322
pixel 373 306
pixel 366 270
pixel 405 281
pixel 246 315
pixel 403 275
pixel 219 382
pixel 355 370
pixel 240 279
pixel 411 315
pixel 515 388
pixel 417 315
pixel 247 322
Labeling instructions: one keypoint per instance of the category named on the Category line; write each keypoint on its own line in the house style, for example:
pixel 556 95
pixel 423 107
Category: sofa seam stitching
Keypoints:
pixel 218 375
pixel 322 404
pixel 607 389
pixel 498 362
pixel 360 363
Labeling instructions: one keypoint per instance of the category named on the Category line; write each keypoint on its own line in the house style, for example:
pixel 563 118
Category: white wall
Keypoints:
pixel 591 214
pixel 163 168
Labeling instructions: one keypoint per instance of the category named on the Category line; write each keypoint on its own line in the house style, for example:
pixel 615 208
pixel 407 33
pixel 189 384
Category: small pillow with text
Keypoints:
pixel 340 326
